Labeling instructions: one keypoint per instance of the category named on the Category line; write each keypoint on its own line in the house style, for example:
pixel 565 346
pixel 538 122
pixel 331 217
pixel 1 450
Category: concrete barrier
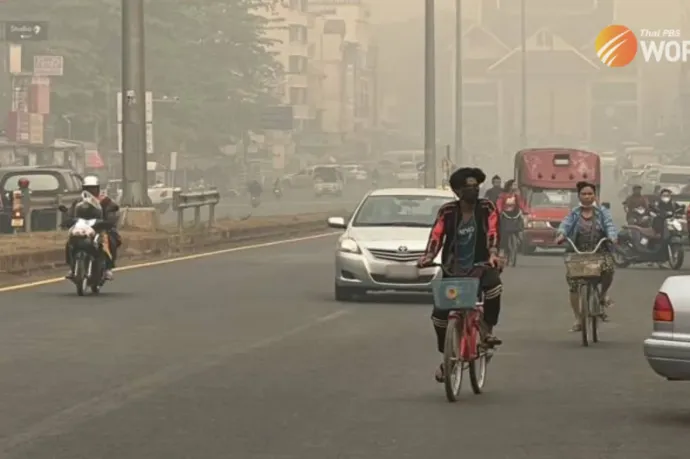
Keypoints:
pixel 40 251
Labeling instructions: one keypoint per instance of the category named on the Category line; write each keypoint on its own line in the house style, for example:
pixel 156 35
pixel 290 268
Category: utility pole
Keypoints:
pixel 459 143
pixel 523 71
pixel 429 96
pixel 135 187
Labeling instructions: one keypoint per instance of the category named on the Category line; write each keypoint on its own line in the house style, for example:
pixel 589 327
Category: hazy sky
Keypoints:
pixel 641 11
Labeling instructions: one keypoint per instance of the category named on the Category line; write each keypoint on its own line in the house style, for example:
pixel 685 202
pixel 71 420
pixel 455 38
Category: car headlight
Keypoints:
pixel 348 245
pixel 537 224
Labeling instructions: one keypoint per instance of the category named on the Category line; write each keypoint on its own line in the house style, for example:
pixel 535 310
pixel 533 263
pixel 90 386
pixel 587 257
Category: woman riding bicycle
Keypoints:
pixel 586 225
pixel 511 207
pixel 466 233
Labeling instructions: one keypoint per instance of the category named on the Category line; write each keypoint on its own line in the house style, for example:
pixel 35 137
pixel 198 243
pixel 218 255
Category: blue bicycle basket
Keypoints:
pixel 455 293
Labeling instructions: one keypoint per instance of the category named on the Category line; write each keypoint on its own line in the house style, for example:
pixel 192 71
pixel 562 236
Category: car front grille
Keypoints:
pixel 381 279
pixel 396 255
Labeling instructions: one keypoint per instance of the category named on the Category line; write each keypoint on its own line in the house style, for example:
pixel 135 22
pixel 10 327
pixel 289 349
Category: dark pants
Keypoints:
pixel 490 282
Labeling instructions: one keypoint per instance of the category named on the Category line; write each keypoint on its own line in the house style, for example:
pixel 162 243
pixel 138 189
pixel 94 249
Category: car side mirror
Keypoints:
pixel 336 222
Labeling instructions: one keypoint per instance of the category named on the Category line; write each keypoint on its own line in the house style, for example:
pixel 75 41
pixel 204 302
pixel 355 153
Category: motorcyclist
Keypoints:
pixel 634 201
pixel 254 188
pixel 277 186
pixel 375 176
pixel 665 207
pixel 108 212
pixel 495 191
pixel 466 233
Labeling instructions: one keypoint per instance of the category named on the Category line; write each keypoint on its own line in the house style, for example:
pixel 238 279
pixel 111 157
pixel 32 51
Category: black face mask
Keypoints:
pixel 470 194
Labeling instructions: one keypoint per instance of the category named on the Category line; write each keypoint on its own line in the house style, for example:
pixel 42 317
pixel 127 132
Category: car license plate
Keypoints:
pixel 17 223
pixel 402 272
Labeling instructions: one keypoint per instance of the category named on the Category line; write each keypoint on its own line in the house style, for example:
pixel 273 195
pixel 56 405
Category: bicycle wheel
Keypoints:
pixel 478 366
pixel 452 365
pixel 583 302
pixel 594 311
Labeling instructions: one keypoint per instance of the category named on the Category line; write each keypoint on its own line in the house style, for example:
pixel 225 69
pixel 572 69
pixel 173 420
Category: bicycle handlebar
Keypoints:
pixel 596 249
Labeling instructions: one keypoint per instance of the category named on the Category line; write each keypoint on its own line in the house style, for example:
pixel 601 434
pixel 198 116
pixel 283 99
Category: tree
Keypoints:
pixel 210 57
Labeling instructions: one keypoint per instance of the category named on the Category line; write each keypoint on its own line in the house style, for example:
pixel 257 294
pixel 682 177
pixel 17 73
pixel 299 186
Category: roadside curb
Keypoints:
pixel 138 246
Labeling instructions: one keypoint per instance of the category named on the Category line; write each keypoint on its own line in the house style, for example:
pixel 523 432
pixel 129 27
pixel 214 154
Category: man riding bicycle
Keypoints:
pixel 511 208
pixel 586 225
pixel 466 233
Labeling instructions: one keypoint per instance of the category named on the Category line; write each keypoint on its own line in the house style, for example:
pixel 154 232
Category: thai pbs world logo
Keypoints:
pixel 618 45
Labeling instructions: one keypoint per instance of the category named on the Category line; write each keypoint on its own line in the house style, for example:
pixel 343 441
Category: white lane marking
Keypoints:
pixel 63 421
pixel 54 280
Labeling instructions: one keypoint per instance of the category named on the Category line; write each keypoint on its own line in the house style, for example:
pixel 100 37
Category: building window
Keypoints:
pixel 298 96
pixel 304 5
pixel 297 64
pixel 298 34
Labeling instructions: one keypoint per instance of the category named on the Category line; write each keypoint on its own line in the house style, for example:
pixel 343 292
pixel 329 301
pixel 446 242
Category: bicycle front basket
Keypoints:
pixel 455 293
pixel 584 265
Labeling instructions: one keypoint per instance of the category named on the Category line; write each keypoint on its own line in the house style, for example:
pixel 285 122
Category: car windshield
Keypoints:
pixel 552 198
pixel 38 182
pixel 327 174
pixel 676 179
pixel 413 211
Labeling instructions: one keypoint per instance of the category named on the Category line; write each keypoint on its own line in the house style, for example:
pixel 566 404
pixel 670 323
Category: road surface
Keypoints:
pixel 246 355
pixel 294 202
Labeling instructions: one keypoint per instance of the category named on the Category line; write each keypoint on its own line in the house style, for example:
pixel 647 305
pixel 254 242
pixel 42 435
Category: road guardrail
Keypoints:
pixel 195 200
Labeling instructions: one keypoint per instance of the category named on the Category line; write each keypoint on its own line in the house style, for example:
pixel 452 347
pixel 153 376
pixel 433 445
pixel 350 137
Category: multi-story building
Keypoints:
pixel 349 67
pixel 290 34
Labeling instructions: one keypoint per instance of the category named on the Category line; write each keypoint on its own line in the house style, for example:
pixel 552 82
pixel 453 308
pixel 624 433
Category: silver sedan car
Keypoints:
pixel 383 240
pixel 668 348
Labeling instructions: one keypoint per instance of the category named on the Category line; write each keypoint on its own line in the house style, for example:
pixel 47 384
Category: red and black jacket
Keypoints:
pixel 445 229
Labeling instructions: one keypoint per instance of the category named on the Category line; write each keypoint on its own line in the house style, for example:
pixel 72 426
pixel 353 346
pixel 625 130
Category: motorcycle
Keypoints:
pixel 278 193
pixel 255 201
pixel 90 247
pixel 638 245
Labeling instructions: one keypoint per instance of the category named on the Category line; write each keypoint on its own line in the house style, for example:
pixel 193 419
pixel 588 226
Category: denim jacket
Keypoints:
pixel 568 226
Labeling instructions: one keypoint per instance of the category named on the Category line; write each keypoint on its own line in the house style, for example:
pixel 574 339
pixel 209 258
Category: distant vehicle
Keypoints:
pixel 355 172
pixel 407 173
pixel 161 196
pixel 383 241
pixel 668 348
pixel 547 179
pixel 328 180
pixel 46 184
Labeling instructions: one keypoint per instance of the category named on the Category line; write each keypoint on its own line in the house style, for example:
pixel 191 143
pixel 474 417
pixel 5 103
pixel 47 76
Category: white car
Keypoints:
pixel 668 348
pixel 383 240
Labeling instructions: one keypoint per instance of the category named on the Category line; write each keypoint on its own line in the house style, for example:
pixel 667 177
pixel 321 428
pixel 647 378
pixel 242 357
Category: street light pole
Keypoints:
pixel 523 71
pixel 135 188
pixel 458 83
pixel 429 96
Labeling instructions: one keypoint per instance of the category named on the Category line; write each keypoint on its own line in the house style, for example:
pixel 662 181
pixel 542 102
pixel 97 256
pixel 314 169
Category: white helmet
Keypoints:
pixel 91 180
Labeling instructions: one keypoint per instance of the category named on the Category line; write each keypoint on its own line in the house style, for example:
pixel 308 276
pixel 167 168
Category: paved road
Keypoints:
pixel 245 355
pixel 294 202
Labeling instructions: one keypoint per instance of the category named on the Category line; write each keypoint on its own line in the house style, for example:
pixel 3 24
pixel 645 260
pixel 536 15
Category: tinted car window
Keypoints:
pixel 38 182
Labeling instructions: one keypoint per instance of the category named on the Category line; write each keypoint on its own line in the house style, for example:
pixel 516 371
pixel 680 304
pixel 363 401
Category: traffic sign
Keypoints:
pixel 277 118
pixel 49 66
pixel 17 31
